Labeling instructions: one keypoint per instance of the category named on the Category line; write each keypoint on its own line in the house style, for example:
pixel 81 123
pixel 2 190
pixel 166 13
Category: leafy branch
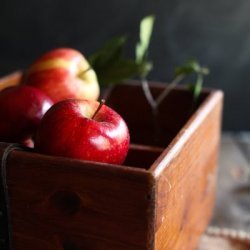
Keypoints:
pixel 110 64
pixel 112 67
pixel 141 53
pixel 193 67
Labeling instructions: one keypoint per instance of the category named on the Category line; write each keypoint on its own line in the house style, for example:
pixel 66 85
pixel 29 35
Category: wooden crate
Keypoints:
pixel 161 198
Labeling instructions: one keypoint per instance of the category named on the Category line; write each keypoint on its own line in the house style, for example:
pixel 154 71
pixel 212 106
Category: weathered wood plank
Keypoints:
pixel 185 191
pixel 56 202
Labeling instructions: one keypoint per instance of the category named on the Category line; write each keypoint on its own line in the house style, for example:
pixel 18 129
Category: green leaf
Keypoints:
pixel 190 86
pixel 198 86
pixel 144 68
pixel 193 67
pixel 117 72
pixel 110 65
pixel 146 28
pixel 204 71
pixel 190 67
pixel 109 53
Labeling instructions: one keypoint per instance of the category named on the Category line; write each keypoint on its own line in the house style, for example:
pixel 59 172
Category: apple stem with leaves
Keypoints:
pixel 101 103
pixel 109 59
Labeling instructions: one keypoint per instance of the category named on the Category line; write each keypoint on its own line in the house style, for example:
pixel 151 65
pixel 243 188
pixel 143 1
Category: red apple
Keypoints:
pixel 73 128
pixel 21 110
pixel 64 73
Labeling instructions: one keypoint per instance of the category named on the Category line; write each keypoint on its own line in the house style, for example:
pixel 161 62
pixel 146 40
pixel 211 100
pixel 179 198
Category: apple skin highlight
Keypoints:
pixel 68 130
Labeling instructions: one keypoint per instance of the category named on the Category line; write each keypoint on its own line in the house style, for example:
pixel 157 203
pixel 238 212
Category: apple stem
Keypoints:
pixel 98 108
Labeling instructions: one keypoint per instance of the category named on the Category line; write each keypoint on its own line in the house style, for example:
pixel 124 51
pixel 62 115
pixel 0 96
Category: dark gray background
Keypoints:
pixel 216 32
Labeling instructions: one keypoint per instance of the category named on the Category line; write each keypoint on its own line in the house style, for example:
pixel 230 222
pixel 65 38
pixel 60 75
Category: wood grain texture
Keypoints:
pixel 186 171
pixel 186 177
pixel 162 198
pixel 57 202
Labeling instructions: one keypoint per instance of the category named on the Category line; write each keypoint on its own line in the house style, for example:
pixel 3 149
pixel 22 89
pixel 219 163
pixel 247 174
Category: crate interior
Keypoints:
pixel 142 156
pixel 152 133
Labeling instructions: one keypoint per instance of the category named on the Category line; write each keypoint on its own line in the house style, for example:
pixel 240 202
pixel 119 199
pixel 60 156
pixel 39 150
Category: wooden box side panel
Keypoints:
pixel 58 203
pixel 186 185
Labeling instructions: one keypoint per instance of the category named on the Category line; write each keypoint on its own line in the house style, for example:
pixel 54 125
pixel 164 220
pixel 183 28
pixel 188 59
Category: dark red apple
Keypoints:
pixel 63 73
pixel 21 110
pixel 73 128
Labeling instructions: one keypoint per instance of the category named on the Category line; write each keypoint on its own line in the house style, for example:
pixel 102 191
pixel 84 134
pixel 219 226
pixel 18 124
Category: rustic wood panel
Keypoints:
pixel 186 174
pixel 59 203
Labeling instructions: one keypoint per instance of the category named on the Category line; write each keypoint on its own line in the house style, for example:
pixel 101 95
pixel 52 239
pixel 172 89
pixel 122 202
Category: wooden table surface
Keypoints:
pixel 232 210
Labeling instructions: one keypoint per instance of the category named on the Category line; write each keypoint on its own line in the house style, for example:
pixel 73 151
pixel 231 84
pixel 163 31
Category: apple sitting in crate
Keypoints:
pixel 86 185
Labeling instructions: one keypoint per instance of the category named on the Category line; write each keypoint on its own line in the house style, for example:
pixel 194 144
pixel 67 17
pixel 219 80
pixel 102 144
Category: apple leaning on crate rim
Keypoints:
pixel 55 106
pixel 83 129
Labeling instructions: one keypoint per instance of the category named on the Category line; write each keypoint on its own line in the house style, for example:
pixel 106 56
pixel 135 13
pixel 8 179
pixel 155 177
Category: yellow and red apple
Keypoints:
pixel 63 73
pixel 73 128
